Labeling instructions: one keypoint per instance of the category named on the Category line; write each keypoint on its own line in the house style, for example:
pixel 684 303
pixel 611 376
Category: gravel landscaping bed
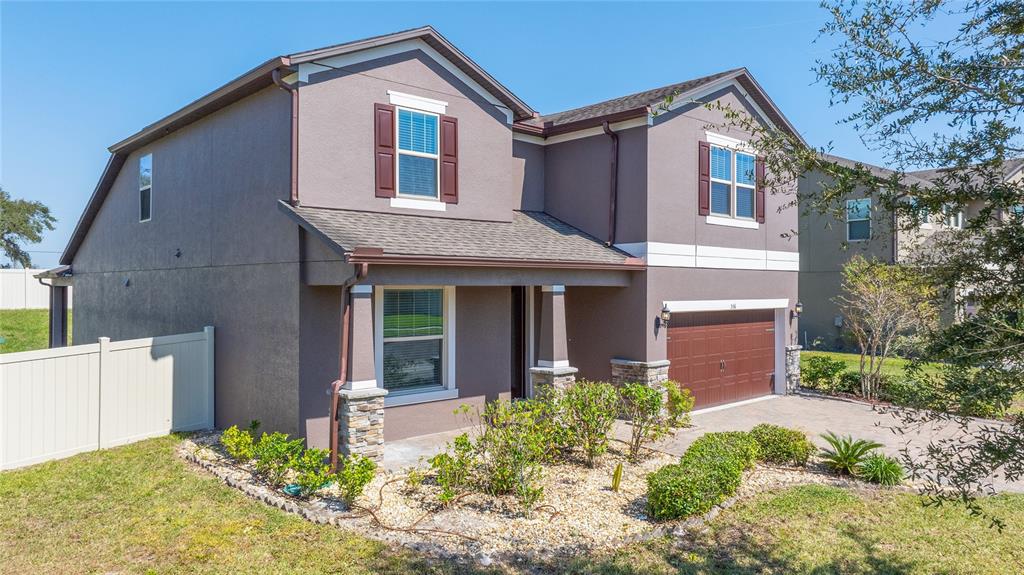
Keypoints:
pixel 579 511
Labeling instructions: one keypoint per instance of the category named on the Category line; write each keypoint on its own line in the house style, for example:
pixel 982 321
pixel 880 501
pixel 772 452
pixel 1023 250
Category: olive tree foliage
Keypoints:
pixel 933 84
pixel 885 308
pixel 21 221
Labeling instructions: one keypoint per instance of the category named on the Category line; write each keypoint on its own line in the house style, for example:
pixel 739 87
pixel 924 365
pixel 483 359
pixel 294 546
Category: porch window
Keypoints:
pixel 414 330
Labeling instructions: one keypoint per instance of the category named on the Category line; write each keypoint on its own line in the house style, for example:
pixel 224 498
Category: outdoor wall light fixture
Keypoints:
pixel 666 314
pixel 797 309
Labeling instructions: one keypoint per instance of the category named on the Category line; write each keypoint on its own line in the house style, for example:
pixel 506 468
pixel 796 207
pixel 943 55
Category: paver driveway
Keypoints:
pixel 814 415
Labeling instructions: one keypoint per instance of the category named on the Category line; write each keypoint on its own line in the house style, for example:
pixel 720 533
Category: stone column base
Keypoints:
pixel 557 378
pixel 646 372
pixel 361 422
pixel 793 368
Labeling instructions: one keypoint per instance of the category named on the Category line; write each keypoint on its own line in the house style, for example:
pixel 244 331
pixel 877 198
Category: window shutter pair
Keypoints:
pixel 386 154
pixel 704 182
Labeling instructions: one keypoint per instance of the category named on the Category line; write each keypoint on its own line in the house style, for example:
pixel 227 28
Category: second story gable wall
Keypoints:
pixel 672 209
pixel 823 237
pixel 336 138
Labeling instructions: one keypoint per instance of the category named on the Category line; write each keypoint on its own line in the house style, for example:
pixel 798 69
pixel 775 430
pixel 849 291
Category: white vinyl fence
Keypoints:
pixel 58 402
pixel 19 289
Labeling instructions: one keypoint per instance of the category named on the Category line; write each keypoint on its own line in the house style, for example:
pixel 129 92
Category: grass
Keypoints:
pixel 893 366
pixel 139 509
pixel 26 329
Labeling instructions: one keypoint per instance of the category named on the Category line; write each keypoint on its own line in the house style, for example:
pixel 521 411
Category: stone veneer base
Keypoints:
pixel 556 377
pixel 361 423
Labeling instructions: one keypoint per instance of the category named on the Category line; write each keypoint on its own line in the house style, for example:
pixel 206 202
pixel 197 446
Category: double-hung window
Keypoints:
pixel 733 183
pixel 954 217
pixel 417 154
pixel 414 332
pixel 146 188
pixel 858 220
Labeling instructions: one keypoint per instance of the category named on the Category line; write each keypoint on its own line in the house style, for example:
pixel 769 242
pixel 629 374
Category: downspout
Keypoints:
pixel 346 305
pixel 614 192
pixel 294 91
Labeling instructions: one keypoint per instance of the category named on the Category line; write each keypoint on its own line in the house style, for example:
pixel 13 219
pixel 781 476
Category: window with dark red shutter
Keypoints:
pixel 384 149
pixel 449 160
pixel 704 178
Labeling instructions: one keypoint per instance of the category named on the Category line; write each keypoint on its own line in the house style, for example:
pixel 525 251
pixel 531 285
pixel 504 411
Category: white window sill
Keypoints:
pixel 392 400
pixel 732 222
pixel 432 205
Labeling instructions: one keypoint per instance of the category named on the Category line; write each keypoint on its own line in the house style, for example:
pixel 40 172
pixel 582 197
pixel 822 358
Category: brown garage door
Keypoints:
pixel 722 356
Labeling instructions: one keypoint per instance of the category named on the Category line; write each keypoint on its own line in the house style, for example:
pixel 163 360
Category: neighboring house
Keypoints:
pixel 827 244
pixel 390 212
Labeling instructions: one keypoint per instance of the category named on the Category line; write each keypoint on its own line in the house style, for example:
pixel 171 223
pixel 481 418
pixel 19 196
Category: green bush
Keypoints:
pixel 274 454
pixel 239 443
pixel 781 445
pixel 355 472
pixel 312 472
pixel 708 473
pixel 846 453
pixel 512 445
pixel 849 382
pixel 589 409
pixel 822 372
pixel 881 469
pixel 679 403
pixel 454 468
pixel 641 405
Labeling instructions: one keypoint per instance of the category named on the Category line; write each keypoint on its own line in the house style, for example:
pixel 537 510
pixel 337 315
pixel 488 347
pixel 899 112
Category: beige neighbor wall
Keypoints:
pixel 336 139
pixel 216 252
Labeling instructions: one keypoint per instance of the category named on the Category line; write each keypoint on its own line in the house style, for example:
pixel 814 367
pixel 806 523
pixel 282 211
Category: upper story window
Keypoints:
pixel 733 183
pixel 858 220
pixel 954 218
pixel 146 188
pixel 923 215
pixel 417 154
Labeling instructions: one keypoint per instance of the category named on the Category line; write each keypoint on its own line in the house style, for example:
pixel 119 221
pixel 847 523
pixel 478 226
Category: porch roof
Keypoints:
pixel 531 239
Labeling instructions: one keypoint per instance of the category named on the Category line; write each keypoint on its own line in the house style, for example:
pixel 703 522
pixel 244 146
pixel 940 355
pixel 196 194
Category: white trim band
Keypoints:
pixel 680 306
pixel 362 384
pixel 553 363
pixel 660 254
pixel 431 204
pixel 417 102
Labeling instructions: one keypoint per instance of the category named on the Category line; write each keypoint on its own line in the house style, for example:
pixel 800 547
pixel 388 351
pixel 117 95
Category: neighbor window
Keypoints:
pixel 858 220
pixel 954 217
pixel 414 339
pixel 417 154
pixel 923 216
pixel 732 183
pixel 146 188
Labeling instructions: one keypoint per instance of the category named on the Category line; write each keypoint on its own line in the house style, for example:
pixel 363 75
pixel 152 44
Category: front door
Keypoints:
pixel 518 359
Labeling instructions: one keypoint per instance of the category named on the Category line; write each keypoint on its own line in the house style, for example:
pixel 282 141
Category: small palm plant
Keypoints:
pixel 846 454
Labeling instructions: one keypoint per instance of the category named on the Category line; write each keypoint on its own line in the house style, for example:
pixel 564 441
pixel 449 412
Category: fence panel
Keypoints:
pixel 19 289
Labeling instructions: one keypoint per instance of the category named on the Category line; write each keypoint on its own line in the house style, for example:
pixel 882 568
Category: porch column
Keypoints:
pixel 552 367
pixel 58 316
pixel 361 409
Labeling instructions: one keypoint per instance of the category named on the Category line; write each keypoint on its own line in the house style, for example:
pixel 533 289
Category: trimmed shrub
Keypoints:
pixel 355 472
pixel 641 405
pixel 881 469
pixel 679 404
pixel 589 409
pixel 239 443
pixel 822 372
pixel 708 473
pixel 312 472
pixel 846 454
pixel 274 455
pixel 781 445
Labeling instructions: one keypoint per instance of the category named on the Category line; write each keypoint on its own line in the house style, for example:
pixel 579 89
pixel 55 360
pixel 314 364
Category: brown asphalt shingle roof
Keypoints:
pixel 530 236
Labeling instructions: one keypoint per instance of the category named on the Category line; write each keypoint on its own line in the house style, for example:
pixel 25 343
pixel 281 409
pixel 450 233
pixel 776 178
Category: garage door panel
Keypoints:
pixel 722 356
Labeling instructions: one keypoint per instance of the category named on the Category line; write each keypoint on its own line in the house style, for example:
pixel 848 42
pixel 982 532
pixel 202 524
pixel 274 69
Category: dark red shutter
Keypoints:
pixel 449 160
pixel 759 191
pixel 384 149
pixel 704 179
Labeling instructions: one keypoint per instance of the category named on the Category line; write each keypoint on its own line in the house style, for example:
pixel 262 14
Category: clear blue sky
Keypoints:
pixel 78 77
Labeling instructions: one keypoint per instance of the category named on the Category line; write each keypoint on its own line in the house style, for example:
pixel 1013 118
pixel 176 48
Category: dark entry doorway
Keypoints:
pixel 518 359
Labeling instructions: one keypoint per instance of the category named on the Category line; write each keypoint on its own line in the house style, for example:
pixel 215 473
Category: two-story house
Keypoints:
pixel 827 243
pixel 386 216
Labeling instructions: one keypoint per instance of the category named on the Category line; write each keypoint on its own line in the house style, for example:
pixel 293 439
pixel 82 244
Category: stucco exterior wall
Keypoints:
pixel 216 252
pixel 336 138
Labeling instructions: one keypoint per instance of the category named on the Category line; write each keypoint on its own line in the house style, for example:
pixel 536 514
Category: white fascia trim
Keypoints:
pixel 411 204
pixel 417 102
pixel 716 86
pixel 580 134
pixel 732 222
pixel 345 60
pixel 661 254
pixel 682 306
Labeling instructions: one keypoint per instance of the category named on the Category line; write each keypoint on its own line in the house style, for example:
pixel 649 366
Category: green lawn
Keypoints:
pixel 139 509
pixel 892 366
pixel 26 329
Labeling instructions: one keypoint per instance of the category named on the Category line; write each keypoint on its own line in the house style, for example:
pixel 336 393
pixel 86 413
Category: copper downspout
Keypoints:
pixel 346 305
pixel 614 194
pixel 294 91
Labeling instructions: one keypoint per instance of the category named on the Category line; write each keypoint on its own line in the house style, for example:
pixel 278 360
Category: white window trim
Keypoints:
pixel 867 219
pixel 149 187
pixel 428 204
pixel 436 157
pixel 448 389
pixel 414 102
pixel 731 219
